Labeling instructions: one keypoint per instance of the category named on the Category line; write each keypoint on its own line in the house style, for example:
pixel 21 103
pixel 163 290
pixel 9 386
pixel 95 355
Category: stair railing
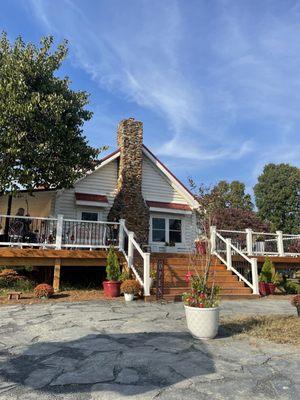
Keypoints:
pixel 128 251
pixel 224 249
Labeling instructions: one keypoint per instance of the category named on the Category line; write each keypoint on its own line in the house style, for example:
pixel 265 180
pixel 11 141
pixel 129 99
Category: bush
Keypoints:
pixel 125 275
pixel 268 271
pixel 43 290
pixel 296 301
pixel 130 286
pixel 113 271
pixel 10 279
pixel 291 287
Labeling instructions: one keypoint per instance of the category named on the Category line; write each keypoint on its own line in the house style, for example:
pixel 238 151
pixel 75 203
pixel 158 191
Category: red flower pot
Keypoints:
pixel 263 288
pixel 112 288
pixel 271 287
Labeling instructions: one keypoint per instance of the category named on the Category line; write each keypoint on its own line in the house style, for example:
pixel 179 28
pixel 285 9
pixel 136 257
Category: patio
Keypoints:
pixel 109 350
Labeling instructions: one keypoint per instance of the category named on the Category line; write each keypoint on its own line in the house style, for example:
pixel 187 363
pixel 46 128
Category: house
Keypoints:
pixel 132 184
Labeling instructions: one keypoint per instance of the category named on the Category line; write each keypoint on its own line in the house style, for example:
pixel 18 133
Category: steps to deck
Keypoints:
pixel 175 269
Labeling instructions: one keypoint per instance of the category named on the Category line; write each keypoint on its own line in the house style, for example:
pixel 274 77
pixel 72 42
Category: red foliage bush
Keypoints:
pixel 43 290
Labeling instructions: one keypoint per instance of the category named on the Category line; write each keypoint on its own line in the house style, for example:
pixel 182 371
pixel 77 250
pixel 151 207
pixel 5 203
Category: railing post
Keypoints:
pixel 280 247
pixel 213 231
pixel 228 253
pixel 146 274
pixel 59 230
pixel 254 273
pixel 130 249
pixel 249 242
pixel 121 234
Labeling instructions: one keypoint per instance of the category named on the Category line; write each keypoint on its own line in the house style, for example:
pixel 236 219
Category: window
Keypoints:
pixel 166 230
pixel 175 230
pixel 158 229
pixel 89 216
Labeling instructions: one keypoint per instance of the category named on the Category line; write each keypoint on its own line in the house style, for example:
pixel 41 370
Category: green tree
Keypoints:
pixel 232 195
pixel 277 196
pixel 113 272
pixel 41 119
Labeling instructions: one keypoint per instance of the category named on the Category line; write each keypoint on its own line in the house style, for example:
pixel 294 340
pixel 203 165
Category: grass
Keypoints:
pixel 279 329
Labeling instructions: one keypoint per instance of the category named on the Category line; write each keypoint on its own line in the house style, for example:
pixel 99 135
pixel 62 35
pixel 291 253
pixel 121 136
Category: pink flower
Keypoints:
pixel 201 305
pixel 202 296
pixel 188 276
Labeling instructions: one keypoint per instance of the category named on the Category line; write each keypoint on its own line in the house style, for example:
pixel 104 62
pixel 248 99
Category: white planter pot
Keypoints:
pixel 128 296
pixel 203 323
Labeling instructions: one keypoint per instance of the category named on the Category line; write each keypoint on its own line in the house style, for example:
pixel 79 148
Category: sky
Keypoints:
pixel 215 82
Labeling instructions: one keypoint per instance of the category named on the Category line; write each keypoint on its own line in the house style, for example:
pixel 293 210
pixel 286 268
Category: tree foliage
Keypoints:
pixel 277 196
pixel 226 206
pixel 41 119
pixel 113 272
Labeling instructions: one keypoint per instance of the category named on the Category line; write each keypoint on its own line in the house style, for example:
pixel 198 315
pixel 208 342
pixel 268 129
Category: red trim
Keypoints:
pixel 172 206
pixel 91 197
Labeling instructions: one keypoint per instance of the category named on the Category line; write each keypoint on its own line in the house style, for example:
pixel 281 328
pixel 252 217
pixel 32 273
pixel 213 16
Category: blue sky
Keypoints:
pixel 216 82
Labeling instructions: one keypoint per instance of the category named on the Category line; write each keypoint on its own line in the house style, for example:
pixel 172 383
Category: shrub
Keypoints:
pixel 113 271
pixel 125 275
pixel 268 271
pixel 291 287
pixel 296 302
pixel 10 279
pixel 201 294
pixel 43 290
pixel 130 286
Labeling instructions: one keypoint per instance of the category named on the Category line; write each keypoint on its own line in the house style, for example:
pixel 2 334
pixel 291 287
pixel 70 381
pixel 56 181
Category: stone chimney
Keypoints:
pixel 129 202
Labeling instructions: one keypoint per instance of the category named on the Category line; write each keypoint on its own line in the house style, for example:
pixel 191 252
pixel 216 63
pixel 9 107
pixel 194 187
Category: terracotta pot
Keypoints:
pixel 271 287
pixel 112 288
pixel 263 288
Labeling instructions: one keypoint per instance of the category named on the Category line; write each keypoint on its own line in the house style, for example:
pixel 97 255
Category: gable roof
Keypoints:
pixel 174 181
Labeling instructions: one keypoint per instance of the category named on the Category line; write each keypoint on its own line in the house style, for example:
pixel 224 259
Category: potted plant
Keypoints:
pixel 201 305
pixel 296 302
pixel 130 288
pixel 268 278
pixel 113 274
pixel 170 247
pixel 43 291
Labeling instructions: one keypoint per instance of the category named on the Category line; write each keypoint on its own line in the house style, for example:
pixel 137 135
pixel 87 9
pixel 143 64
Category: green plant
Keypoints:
pixel 11 280
pixel 130 286
pixel 201 295
pixel 113 271
pixel 43 290
pixel 125 275
pixel 267 271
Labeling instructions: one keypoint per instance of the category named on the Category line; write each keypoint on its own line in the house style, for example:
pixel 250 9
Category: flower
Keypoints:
pixel 202 296
pixel 201 305
pixel 188 276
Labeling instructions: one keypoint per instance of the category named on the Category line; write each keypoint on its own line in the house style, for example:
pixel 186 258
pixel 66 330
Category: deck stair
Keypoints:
pixel 176 266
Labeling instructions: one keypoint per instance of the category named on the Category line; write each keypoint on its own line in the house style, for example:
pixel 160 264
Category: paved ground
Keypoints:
pixel 109 350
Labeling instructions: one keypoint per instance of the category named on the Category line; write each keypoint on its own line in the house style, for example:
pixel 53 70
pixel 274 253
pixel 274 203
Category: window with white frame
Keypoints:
pixel 166 230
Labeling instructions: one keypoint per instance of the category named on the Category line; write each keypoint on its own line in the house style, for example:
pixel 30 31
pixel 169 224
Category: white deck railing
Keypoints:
pixel 58 233
pixel 128 245
pixel 263 243
pixel 63 233
pixel 224 249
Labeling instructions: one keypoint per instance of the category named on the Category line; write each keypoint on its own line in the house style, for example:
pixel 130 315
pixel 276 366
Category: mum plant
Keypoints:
pixel 296 302
pixel 43 290
pixel 130 286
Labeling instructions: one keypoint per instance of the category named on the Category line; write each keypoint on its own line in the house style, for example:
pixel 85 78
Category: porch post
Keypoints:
pixel 228 253
pixel 280 247
pixel 121 234
pixel 130 249
pixel 249 242
pixel 56 278
pixel 213 231
pixel 59 230
pixel 254 273
pixel 146 274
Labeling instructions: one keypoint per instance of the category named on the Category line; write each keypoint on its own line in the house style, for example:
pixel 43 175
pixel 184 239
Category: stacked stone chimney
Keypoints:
pixel 129 202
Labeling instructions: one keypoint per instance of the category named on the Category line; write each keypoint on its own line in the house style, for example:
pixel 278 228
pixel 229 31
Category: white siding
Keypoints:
pixel 156 186
pixel 103 181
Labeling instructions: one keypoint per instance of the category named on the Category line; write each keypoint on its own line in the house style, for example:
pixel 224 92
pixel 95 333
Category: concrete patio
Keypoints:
pixel 109 350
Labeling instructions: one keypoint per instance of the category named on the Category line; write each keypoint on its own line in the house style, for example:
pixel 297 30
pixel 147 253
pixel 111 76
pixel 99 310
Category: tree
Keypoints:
pixel 232 195
pixel 41 119
pixel 277 196
pixel 227 206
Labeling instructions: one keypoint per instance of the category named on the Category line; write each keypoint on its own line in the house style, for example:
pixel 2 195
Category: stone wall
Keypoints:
pixel 129 202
